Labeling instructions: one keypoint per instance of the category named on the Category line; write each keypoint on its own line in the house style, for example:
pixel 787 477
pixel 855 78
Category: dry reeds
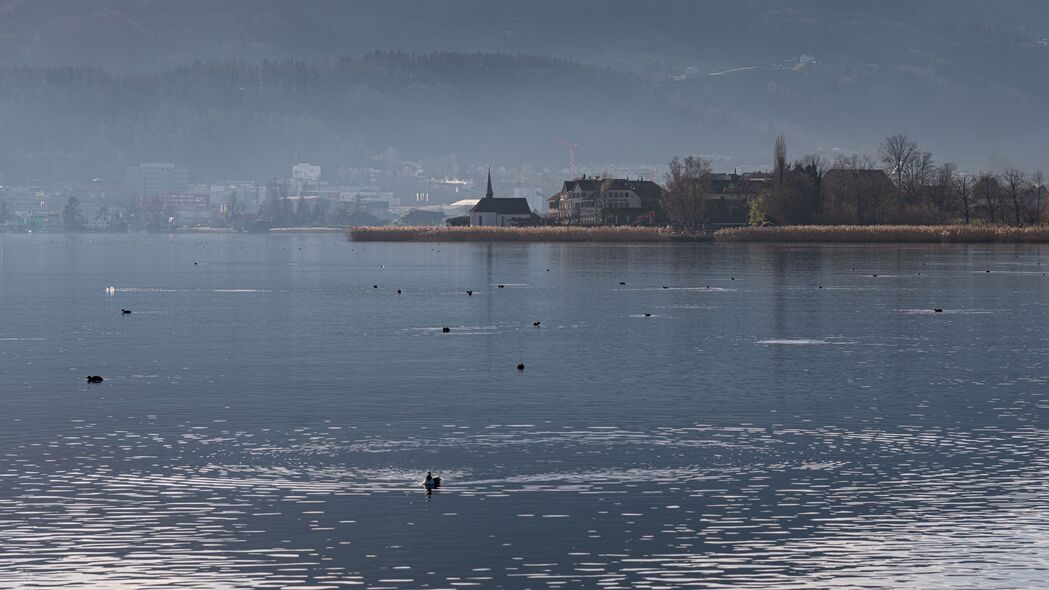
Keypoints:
pixel 887 233
pixel 511 234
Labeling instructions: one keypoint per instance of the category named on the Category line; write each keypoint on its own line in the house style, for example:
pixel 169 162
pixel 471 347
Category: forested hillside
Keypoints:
pixel 236 87
pixel 240 120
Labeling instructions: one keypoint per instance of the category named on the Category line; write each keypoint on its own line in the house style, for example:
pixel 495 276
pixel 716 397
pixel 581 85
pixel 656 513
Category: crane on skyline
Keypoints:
pixel 571 155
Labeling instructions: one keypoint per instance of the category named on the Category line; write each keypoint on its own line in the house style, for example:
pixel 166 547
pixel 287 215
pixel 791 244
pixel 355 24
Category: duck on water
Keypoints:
pixel 431 482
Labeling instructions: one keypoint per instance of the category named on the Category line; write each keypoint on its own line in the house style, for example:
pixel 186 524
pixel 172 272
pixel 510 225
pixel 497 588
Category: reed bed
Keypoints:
pixel 943 234
pixel 512 234
pixel 307 230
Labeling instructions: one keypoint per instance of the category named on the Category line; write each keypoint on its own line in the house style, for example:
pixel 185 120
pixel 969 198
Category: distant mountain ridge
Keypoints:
pixel 966 78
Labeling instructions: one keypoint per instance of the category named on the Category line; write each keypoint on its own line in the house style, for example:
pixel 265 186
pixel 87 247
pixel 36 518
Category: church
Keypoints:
pixel 491 211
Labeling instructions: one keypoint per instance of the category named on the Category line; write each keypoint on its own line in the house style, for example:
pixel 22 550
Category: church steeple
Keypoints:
pixel 489 194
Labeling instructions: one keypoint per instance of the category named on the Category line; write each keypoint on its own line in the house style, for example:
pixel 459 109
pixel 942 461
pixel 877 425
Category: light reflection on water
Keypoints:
pixel 772 436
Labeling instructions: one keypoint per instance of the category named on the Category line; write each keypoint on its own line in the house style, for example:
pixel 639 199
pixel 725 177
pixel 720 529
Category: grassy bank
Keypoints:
pixel 513 234
pixel 887 233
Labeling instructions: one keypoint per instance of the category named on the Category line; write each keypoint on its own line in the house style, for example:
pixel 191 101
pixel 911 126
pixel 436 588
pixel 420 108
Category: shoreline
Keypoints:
pixel 519 234
pixel 830 234
pixel 888 234
pixel 787 234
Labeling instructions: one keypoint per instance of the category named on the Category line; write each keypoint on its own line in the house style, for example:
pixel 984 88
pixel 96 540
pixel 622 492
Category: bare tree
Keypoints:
pixel 856 188
pixel 897 153
pixel 687 183
pixel 276 210
pixel 1038 188
pixel 944 186
pixel 1016 191
pixel 964 197
pixel 818 164
pixel 988 194
pixel 917 175
pixel 233 210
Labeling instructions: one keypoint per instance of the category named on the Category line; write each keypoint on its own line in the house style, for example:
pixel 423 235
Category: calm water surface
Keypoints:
pixel 718 420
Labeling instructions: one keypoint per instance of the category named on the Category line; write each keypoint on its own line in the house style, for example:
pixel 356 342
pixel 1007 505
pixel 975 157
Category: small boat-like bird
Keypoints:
pixel 431 482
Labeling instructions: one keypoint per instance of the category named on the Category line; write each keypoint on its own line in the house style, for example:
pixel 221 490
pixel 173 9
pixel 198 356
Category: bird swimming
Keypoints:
pixel 536 324
pixel 125 311
pixel 520 366
pixel 446 329
pixel 94 379
pixel 431 482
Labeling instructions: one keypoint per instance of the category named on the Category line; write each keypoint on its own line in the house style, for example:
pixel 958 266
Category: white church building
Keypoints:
pixel 491 211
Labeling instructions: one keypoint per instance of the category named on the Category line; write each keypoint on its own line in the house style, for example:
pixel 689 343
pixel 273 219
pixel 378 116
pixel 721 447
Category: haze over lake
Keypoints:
pixel 689 415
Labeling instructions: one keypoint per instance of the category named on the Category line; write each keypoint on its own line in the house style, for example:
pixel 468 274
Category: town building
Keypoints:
pixel 491 211
pixel 730 196
pixel 308 172
pixel 605 201
pixel 150 180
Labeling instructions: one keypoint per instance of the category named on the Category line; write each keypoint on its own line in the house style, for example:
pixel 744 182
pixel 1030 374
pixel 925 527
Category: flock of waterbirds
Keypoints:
pixel 469 293
pixel 430 482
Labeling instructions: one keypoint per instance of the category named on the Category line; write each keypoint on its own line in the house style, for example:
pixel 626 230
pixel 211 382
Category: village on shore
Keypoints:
pixel 901 185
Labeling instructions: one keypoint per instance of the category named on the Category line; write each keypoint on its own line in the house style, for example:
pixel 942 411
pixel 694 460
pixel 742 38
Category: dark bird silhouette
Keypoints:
pixel 470 293
pixel 648 315
pixel 431 481
pixel 446 329
pixel 398 291
pixel 125 311
pixel 502 286
pixel 536 324
pixel 94 379
pixel 938 310
pixel 375 286
pixel 622 282
pixel 520 366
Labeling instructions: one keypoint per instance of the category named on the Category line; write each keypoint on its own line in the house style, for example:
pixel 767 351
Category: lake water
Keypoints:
pixel 268 414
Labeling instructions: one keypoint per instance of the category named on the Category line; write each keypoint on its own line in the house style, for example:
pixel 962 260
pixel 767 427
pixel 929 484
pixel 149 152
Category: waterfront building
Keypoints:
pixel 730 196
pixel 605 201
pixel 491 211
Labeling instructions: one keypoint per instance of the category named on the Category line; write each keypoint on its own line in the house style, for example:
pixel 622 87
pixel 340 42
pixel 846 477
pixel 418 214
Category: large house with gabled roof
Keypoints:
pixel 605 201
